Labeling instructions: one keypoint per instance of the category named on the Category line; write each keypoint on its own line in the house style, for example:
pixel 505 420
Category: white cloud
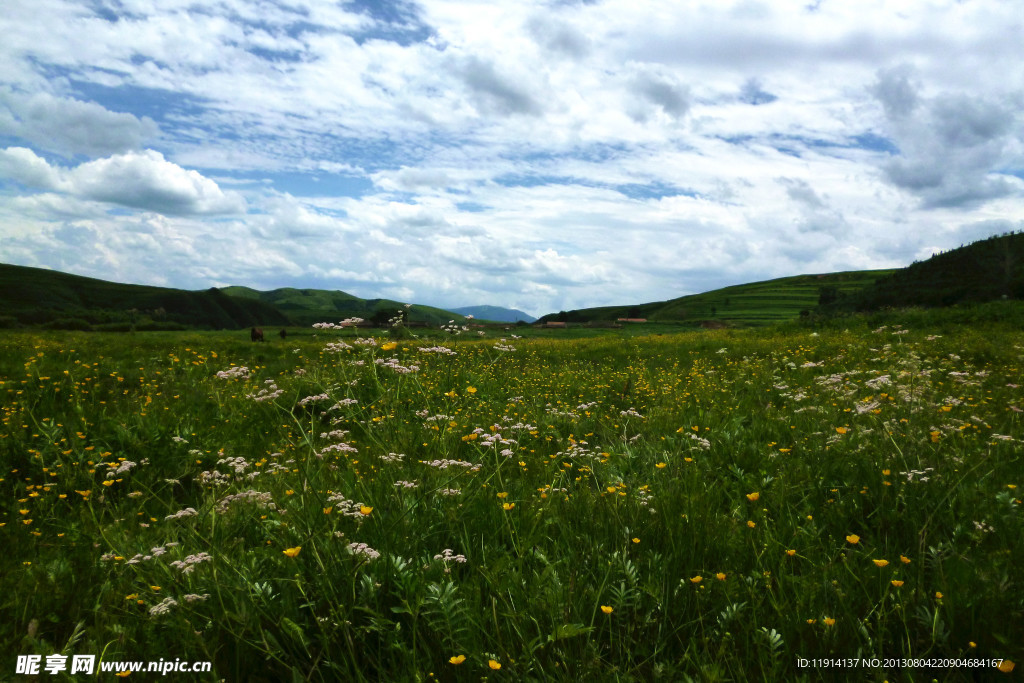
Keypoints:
pixel 141 180
pixel 69 126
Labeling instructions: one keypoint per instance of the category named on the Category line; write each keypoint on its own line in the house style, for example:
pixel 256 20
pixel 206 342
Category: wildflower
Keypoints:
pixel 507 506
pixel 753 496
pixel 904 559
pixel 493 664
pixel 503 494
pixel 938 595
pixel 880 563
pixel 720 576
pixel 829 621
pixel 389 346
pixel 456 660
pixel 696 579
pixel 853 539
pixel 812 621
pixel 791 552
pixel 896 582
pixel 1006 666
pixel 841 430
pixel 661 465
pixel 365 510
pixel 293 552
pixel 470 390
pixel 606 609
pixel 751 524
pixel 636 540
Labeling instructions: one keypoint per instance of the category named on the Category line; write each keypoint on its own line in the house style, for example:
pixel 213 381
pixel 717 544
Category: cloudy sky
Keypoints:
pixel 536 154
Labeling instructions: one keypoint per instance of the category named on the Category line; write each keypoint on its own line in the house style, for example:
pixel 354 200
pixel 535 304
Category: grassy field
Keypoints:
pixel 705 506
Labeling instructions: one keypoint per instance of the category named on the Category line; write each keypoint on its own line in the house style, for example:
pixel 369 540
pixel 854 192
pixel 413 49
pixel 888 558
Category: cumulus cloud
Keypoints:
pixel 953 147
pixel 141 180
pixel 493 92
pixel 68 126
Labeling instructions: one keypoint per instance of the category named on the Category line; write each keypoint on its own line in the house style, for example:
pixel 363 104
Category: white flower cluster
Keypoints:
pixel 235 372
pixel 267 393
pixel 345 506
pixel 187 512
pixel 445 464
pixel 364 550
pixel 396 366
pixel 188 565
pixel 347 322
pixel 311 399
pixel 261 499
pixel 443 350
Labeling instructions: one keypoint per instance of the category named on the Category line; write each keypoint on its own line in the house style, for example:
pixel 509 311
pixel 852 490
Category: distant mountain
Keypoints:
pixel 757 303
pixel 495 313
pixel 48 298
pixel 307 306
pixel 982 271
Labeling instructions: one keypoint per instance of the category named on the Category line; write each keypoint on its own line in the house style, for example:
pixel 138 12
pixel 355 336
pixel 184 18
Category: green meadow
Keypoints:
pixel 694 505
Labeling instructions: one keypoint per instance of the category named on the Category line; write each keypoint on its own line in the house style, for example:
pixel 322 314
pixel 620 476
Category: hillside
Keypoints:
pixel 47 298
pixel 307 306
pixel 495 313
pixel 982 271
pixel 757 303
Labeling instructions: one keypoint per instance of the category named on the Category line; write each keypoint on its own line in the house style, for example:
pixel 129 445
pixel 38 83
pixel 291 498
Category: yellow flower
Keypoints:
pixel 493 664
pixel 606 609
pixel 896 582
pixel 880 563
pixel 841 430
pixel 753 496
pixel 636 540
pixel 124 674
pixel 293 552
pixel 751 524
pixel 938 595
pixel 456 660
pixel 853 538
pixel 327 511
pixel 812 621
pixel 507 506
pixel 389 346
pixel 661 465
pixel 886 472
pixel 470 390
pixel 904 559
pixel 503 494
pixel 1006 666
pixel 720 576
pixel 696 579
pixel 791 552
pixel 155 588
pixel 365 510
pixel 611 489
pixel 829 621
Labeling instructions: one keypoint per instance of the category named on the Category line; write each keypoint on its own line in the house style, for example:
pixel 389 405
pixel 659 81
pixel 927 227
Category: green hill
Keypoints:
pixel 982 271
pixel 307 306
pixel 47 298
pixel 757 303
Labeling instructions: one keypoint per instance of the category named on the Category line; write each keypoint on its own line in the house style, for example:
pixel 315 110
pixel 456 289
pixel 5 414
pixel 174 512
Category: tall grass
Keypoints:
pixel 706 506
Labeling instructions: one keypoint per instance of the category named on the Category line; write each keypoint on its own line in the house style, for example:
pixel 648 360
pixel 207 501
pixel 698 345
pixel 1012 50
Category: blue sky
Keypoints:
pixel 538 155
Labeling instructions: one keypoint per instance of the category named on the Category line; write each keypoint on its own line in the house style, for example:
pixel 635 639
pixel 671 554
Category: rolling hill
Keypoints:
pixel 757 303
pixel 47 298
pixel 982 271
pixel 307 306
